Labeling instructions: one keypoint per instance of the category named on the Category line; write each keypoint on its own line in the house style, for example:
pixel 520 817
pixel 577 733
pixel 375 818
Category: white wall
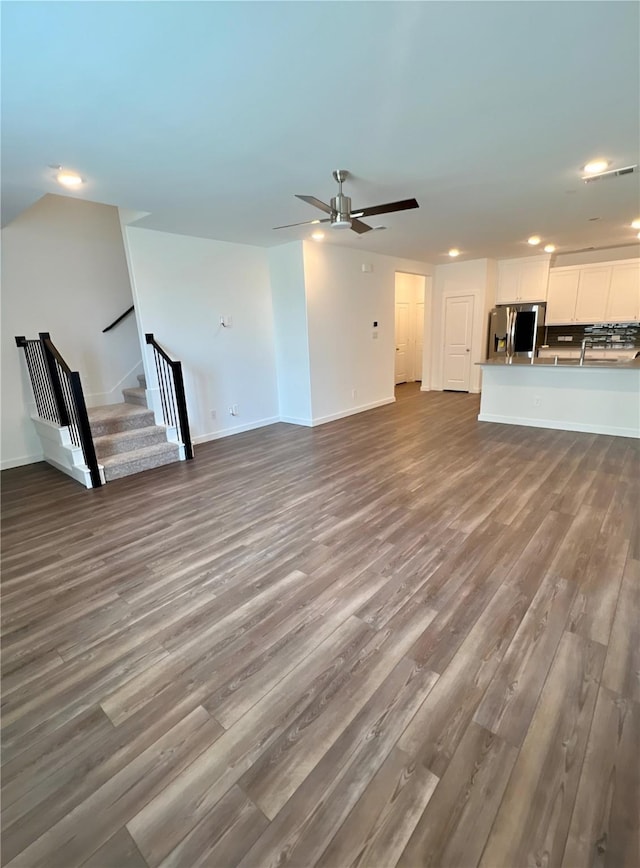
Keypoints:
pixel 64 271
pixel 182 286
pixel 286 266
pixel 321 347
pixel 342 304
pixel 475 277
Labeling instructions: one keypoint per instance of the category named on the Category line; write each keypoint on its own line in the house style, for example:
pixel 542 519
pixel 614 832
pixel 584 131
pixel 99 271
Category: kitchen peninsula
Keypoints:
pixel 601 397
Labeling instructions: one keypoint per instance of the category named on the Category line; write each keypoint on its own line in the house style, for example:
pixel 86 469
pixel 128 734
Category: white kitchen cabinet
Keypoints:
pixel 597 293
pixel 562 294
pixel 522 280
pixel 508 281
pixel 593 294
pixel 533 280
pixel 624 293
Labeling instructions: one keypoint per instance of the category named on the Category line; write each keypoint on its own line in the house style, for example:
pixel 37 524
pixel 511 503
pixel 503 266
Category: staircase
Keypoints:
pixel 101 444
pixel 126 437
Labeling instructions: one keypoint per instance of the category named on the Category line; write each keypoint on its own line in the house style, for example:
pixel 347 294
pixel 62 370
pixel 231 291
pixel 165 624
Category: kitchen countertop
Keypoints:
pixel 607 364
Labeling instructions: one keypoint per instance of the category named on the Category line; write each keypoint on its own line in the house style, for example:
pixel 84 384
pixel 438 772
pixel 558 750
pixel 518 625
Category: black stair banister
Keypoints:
pixel 172 395
pixel 40 379
pixel 74 407
pixel 59 396
pixel 54 377
pixel 116 321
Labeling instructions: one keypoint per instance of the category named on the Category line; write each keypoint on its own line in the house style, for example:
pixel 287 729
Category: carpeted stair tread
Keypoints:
pixel 128 441
pixel 112 418
pixel 127 463
pixel 135 396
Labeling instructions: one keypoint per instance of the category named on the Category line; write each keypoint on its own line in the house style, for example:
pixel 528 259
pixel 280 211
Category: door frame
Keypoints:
pixel 427 331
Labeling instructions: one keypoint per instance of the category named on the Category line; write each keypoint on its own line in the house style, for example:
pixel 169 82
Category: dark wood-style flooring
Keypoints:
pixel 402 638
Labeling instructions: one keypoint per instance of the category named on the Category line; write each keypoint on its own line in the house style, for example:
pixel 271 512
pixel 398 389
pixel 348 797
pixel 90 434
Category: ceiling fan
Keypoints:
pixel 341 215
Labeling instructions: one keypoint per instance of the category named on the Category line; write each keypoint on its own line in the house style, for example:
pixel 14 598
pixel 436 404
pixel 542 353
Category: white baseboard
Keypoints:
pixel 292 420
pixel 459 392
pixel 114 396
pixel 586 428
pixel 322 420
pixel 237 429
pixel 23 460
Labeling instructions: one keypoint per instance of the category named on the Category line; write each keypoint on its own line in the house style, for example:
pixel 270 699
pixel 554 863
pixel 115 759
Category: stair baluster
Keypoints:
pixel 59 396
pixel 172 395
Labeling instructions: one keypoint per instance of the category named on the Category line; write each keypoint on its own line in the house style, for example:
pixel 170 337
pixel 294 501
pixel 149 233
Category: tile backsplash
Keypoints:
pixel 601 335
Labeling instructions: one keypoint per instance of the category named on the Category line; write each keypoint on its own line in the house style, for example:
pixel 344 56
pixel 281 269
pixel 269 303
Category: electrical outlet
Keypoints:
pixel 213 414
pixel 354 393
pixel 536 401
pixel 233 410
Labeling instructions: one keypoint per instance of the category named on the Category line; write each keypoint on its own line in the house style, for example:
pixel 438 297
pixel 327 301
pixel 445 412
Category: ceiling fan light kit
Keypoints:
pixel 340 213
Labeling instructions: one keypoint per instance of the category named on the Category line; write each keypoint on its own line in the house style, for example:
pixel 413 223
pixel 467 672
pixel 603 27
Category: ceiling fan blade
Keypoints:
pixel 360 227
pixel 304 223
pixel 311 200
pixel 402 205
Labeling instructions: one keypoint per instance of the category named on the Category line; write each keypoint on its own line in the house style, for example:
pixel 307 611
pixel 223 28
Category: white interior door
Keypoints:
pixel 458 323
pixel 402 342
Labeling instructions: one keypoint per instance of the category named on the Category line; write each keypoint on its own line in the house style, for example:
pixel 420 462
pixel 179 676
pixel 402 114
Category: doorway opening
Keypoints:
pixel 409 327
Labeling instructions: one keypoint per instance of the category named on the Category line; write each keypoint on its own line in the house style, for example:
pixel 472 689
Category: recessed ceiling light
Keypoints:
pixel 317 236
pixel 454 252
pixel 635 224
pixel 595 166
pixel 534 240
pixel 549 248
pixel 68 179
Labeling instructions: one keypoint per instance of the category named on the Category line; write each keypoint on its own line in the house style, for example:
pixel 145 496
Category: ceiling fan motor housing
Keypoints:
pixel 341 217
pixel 340 214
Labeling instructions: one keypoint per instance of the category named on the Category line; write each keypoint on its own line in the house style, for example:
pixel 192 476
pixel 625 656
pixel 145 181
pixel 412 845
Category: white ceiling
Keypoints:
pixel 209 116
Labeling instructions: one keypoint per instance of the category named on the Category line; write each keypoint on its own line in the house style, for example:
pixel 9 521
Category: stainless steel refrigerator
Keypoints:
pixel 515 331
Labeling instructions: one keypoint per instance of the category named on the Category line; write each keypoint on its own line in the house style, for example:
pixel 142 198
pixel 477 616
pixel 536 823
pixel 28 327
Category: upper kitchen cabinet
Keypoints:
pixel 602 292
pixel 593 294
pixel 522 279
pixel 624 293
pixel 562 295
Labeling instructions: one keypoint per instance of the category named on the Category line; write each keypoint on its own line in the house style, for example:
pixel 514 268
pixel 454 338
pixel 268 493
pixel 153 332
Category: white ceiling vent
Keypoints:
pixel 612 173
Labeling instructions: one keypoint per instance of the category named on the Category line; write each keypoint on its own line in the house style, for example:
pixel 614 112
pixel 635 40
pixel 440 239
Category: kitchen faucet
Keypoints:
pixel 582 350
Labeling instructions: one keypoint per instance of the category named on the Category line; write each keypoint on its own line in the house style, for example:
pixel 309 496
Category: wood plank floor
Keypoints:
pixel 403 638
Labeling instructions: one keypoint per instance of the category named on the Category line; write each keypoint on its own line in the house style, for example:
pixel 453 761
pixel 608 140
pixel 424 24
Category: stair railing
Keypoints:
pixel 172 396
pixel 59 396
pixel 119 319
